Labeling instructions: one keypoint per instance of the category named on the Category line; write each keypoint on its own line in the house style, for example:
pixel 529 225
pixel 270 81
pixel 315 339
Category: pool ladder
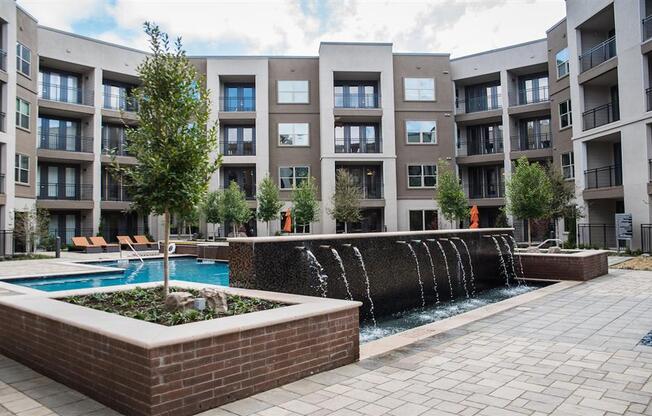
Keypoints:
pixel 134 250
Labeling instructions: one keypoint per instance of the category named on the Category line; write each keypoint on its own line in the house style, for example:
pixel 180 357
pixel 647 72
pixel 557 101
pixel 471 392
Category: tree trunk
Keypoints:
pixel 529 232
pixel 166 261
pixel 346 227
pixel 269 229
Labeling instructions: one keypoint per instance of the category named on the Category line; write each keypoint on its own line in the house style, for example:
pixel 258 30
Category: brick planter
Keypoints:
pixel 140 368
pixel 582 265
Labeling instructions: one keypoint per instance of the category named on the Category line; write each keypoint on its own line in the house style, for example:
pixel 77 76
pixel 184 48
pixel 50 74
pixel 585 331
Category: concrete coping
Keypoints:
pixel 569 253
pixel 150 335
pixel 349 236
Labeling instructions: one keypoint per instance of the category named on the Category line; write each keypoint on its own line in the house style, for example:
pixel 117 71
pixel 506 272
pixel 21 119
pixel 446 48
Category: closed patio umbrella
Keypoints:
pixel 475 217
pixel 287 225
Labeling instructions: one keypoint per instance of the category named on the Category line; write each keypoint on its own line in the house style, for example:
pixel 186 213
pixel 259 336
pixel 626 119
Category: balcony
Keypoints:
pixel 532 95
pixel 239 148
pixel 3 119
pixel 598 54
pixel 647 28
pixel 599 116
pixel 603 177
pixel 480 191
pixel 237 104
pixel 118 102
pixel 477 104
pixel 115 192
pixel 532 141
pixel 65 94
pixel 648 98
pixel 372 191
pixel 64 191
pixel 363 145
pixel 490 145
pixel 114 145
pixel 66 143
pixel 2 183
pixel 356 100
pixel 3 60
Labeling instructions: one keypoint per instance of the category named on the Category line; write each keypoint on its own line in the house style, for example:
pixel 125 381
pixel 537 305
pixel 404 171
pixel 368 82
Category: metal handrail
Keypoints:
pixel 536 141
pixel 364 145
pixel 603 177
pixel 606 49
pixel 356 100
pixel 55 141
pixel 647 27
pixel 599 116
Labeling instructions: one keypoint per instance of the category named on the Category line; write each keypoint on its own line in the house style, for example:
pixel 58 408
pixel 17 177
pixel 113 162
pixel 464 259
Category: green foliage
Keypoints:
pixel 305 208
pixel 346 199
pixel 234 206
pixel 501 219
pixel 269 201
pixel 212 207
pixel 563 195
pixel 32 227
pixel 450 196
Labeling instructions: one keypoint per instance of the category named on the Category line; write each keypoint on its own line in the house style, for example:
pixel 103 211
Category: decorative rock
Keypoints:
pixel 179 301
pixel 215 299
pixel 554 250
pixel 532 250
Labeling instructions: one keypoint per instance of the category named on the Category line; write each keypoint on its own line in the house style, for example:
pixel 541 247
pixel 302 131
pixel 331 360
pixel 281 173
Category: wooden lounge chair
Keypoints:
pixel 82 244
pixel 125 240
pixel 141 239
pixel 108 248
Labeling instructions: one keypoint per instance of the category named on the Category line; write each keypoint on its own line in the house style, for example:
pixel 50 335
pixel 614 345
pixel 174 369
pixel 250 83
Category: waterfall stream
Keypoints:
pixel 468 254
pixel 432 269
pixel 314 264
pixel 510 256
pixel 502 260
pixel 520 261
pixel 461 266
pixel 448 272
pixel 343 272
pixel 416 263
pixel 366 278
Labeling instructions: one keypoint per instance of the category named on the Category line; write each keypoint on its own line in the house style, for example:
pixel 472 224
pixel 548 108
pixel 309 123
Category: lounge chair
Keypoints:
pixel 125 240
pixel 141 239
pixel 108 248
pixel 82 244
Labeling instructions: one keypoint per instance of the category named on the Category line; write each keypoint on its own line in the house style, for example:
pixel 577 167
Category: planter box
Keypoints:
pixel 141 368
pixel 213 251
pixel 579 265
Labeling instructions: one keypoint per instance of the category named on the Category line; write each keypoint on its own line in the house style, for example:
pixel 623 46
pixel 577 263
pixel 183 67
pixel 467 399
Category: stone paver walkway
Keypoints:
pixel 574 352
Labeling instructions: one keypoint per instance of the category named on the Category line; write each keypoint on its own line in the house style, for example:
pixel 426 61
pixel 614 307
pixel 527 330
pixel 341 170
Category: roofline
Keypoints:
pixel 253 56
pixel 356 43
pixel 421 54
pixel 501 49
pixel 556 24
pixel 27 13
pixel 103 42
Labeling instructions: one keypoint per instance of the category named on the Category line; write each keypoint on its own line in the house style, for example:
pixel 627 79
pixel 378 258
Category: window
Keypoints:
pixel 292 176
pixel 23 59
pixel 421 132
pixel 419 89
pixel 422 176
pixel 568 165
pixel 22 169
pixel 423 220
pixel 22 113
pixel 293 134
pixel 565 115
pixel 293 92
pixel 562 63
pixel 293 226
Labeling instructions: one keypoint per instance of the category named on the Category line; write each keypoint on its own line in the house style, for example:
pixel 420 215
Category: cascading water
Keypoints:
pixel 343 274
pixel 358 255
pixel 448 272
pixel 468 254
pixel 510 256
pixel 416 263
pixel 502 260
pixel 314 264
pixel 461 266
pixel 520 262
pixel 432 269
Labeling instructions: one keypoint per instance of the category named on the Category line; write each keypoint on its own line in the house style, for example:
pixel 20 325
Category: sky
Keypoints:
pixel 295 27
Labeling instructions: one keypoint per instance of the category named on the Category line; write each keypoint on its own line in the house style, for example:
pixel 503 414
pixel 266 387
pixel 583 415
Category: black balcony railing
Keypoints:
pixel 3 60
pixel 479 191
pixel 647 28
pixel 65 94
pixel 603 177
pixel 6 243
pixel 239 148
pixel 65 191
pixel 357 100
pixel 115 192
pixel 649 170
pixel 599 116
pixel 68 143
pixel 646 238
pixel 598 54
pixel 2 183
pixel 372 191
pixel 114 145
pixel 3 124
pixel 532 95
pixel 475 104
pixel 490 145
pixel 120 102
pixel 596 235
pixel 233 104
pixel 532 141
pixel 365 145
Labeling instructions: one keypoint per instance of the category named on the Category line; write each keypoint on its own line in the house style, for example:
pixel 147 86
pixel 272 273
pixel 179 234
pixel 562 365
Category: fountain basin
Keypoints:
pixel 580 265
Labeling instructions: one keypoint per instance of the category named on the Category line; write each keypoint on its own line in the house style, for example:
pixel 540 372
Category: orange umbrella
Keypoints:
pixel 475 217
pixel 287 226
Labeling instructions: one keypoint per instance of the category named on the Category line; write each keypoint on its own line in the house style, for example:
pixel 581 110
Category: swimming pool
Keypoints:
pixel 188 269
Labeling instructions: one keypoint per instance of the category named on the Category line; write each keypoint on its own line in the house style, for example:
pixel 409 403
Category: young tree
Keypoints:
pixel 529 193
pixel 562 204
pixel 346 199
pixel 269 202
pixel 305 208
pixel 32 227
pixel 450 196
pixel 234 207
pixel 174 140
pixel 213 208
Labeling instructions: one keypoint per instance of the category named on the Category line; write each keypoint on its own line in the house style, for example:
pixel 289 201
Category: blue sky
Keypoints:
pixel 295 27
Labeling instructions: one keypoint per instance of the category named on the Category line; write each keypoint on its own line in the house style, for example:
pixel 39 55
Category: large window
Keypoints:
pixel 23 59
pixel 59 86
pixel 568 165
pixel 421 132
pixel 562 63
pixel 293 92
pixel 423 220
pixel 22 113
pixel 357 138
pixel 565 115
pixel 293 134
pixel 292 176
pixel 419 89
pixel 22 169
pixel 422 176
pixel 239 141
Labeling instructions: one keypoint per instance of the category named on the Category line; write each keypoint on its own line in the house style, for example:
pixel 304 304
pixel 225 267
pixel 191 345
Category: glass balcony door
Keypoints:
pixel 368 178
pixel 56 134
pixel 535 134
pixel 532 89
pixel 239 141
pixel 482 97
pixel 239 97
pixel 59 86
pixel 357 138
pixel 244 177
pixel 359 95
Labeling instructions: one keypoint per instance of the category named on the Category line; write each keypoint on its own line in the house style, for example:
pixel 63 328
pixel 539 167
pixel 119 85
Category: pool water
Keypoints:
pixel 188 269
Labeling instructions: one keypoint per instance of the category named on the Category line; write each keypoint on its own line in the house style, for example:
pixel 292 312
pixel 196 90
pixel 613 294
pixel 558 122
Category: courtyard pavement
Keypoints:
pixel 572 352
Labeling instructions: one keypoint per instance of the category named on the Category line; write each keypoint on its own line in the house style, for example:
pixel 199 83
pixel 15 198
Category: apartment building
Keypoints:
pixel 384 116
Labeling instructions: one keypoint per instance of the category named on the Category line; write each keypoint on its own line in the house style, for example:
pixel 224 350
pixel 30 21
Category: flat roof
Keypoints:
pixel 501 49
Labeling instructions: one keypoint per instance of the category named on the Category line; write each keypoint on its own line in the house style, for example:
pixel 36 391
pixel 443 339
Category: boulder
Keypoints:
pixel 179 301
pixel 533 250
pixel 215 299
pixel 554 250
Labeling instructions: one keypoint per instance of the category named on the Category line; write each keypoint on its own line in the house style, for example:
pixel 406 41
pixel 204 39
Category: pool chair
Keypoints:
pixel 108 248
pixel 82 244
pixel 125 240
pixel 141 239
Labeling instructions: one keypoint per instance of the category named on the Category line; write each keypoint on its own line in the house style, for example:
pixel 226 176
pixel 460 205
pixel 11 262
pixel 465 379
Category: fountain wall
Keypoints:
pixel 399 266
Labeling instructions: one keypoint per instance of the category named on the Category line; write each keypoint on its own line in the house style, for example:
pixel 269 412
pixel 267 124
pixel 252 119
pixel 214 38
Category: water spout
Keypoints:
pixel 343 272
pixel 322 277
pixel 461 266
pixel 502 260
pixel 416 263
pixel 520 261
pixel 468 254
pixel 358 255
pixel 510 256
pixel 448 272
pixel 432 269
pixel 325 246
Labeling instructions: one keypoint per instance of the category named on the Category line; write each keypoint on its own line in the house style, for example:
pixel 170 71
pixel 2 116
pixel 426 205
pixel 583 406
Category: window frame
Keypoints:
pixel 569 113
pixel 20 115
pixel 19 168
pixel 423 218
pixel 294 134
pixel 294 176
pixel 20 59
pixel 565 64
pixel 422 176
pixel 407 135
pixel 278 91
pixel 434 90
pixel 570 166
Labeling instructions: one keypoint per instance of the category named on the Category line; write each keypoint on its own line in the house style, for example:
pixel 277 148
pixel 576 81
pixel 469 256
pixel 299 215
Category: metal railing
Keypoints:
pixel 364 145
pixel 111 234
pixel 2 183
pixel 483 191
pixel 596 235
pixel 603 177
pixel 598 54
pixel 357 100
pixel 374 191
pixel 647 28
pixel 649 170
pixel 249 190
pixel 68 143
pixel 71 95
pixel 599 116
pixel 646 238
pixel 3 119
pixel 532 96
pixel 3 60
pixel 522 142
pixel 476 104
pixel 485 146
pixel 120 102
pixel 114 144
pixel 115 192
pixel 65 191
pixel 234 104
pixel 239 148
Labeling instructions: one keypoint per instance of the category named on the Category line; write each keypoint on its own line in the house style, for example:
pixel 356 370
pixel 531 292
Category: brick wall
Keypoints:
pixel 179 379
pixel 564 267
pixel 220 252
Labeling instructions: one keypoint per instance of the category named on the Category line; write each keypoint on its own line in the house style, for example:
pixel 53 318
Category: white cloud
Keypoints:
pixel 61 14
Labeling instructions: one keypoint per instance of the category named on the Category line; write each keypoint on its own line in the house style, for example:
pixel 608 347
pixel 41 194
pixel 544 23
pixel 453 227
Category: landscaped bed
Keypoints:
pixel 637 263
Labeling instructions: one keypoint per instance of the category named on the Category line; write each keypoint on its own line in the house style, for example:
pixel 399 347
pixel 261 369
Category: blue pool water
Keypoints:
pixel 188 269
